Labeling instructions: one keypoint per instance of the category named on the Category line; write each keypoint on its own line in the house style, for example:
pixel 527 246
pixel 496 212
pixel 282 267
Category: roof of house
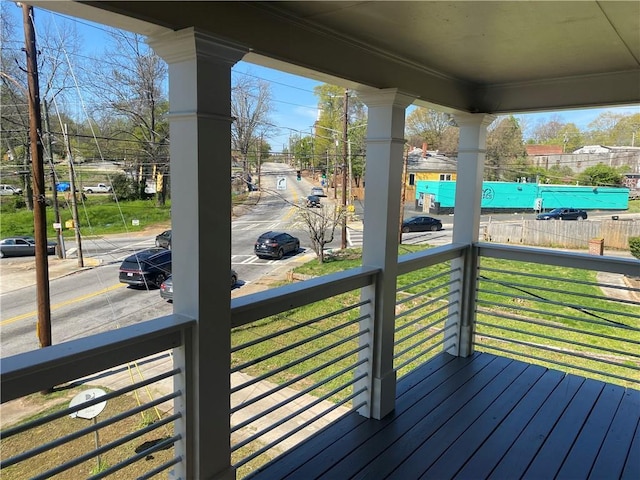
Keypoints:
pixel 533 150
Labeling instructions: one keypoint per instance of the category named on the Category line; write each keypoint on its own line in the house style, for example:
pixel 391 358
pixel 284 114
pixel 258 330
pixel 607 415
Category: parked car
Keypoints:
pixel 164 239
pixel 563 214
pixel 275 245
pixel 23 246
pixel 10 190
pixel 421 224
pixel 313 201
pixel 146 268
pixel 318 192
pixel 166 288
pixel 99 188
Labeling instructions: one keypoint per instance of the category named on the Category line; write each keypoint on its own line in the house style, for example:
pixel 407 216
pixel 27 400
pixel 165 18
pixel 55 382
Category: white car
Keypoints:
pixel 318 192
pixel 9 190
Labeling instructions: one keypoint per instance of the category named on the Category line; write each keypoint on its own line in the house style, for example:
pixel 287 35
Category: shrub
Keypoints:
pixel 634 246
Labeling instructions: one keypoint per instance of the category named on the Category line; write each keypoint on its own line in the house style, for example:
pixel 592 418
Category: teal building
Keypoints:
pixel 439 196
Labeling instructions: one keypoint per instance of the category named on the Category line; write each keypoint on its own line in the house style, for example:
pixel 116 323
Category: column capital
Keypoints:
pixel 385 97
pixel 190 43
pixel 470 119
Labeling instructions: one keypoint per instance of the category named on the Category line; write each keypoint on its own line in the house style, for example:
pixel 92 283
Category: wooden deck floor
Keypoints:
pixel 480 417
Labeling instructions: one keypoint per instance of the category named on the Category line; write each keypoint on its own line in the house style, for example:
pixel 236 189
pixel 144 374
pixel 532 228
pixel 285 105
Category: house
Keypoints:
pixel 464 370
pixel 425 165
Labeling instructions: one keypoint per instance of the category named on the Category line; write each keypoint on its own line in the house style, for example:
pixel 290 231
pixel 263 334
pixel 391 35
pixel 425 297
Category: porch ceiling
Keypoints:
pixel 494 57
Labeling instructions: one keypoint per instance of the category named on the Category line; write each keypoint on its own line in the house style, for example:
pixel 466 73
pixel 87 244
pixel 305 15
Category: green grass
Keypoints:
pixel 98 215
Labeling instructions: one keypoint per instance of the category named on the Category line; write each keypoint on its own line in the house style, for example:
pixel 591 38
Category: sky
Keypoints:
pixel 293 101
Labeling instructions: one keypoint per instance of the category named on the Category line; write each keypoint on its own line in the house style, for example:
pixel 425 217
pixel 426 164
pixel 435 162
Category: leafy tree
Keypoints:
pixel 124 187
pixel 504 147
pixel 601 174
pixel 321 225
pixel 427 125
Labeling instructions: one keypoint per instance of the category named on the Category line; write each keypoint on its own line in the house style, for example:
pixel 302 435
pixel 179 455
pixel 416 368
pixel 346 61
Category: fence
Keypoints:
pixel 615 233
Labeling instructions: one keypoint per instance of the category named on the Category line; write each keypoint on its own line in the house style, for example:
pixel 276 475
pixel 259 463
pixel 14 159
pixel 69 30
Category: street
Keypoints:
pixel 93 300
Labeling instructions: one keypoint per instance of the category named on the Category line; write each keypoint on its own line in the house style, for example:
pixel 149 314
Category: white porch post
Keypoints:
pixel 200 127
pixel 459 327
pixel 383 182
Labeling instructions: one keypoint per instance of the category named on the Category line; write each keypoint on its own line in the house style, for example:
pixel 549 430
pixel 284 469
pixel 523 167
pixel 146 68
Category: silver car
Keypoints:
pixel 22 246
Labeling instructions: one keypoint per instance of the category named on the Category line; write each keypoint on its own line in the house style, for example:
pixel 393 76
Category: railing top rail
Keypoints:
pixel 432 256
pixel 249 308
pixel 42 369
pixel 626 266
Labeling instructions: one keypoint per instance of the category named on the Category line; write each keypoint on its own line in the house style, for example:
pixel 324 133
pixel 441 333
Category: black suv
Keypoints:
pixel 146 268
pixel 275 245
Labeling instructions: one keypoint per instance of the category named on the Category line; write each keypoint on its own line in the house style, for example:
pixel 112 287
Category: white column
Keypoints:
pixel 466 224
pixel 383 182
pixel 200 127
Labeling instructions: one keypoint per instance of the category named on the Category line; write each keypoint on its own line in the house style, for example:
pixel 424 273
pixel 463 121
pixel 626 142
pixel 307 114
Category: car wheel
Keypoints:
pixel 89 191
pixel 580 219
pixel 1 254
pixel 434 228
pixel 280 254
pixel 406 229
pixel 234 280
pixel 159 279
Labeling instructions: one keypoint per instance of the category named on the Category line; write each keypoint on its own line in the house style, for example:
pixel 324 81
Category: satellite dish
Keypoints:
pixel 91 411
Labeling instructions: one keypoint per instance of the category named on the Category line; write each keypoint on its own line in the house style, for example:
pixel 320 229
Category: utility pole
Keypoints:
pixel 43 328
pixel 74 199
pixel 54 183
pixel 345 125
pixel 404 193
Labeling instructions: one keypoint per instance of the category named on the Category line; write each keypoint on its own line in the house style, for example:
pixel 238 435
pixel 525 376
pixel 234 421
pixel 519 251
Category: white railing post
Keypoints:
pixel 200 123
pixel 385 147
pixel 471 154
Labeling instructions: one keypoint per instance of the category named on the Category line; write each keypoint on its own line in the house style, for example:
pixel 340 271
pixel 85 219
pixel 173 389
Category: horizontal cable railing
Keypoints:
pixel 576 312
pixel 75 410
pixel 426 315
pixel 295 370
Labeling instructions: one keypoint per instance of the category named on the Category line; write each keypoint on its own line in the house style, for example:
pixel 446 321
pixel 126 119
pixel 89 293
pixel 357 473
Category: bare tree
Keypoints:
pixel 321 225
pixel 130 82
pixel 250 107
pixel 55 44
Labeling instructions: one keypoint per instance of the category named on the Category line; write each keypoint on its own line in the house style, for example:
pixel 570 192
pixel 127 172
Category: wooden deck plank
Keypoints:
pixel 426 454
pixel 487 456
pixel 617 445
pixel 631 469
pixel 405 440
pixel 456 455
pixel 555 448
pixel 590 439
pixel 524 449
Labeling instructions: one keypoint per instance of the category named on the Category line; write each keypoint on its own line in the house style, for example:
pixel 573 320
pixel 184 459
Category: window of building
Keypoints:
pixel 412 179
pixel 445 176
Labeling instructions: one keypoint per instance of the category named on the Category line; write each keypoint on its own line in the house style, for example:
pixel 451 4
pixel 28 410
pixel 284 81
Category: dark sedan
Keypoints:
pixel 22 246
pixel 146 268
pixel 563 214
pixel 421 224
pixel 275 245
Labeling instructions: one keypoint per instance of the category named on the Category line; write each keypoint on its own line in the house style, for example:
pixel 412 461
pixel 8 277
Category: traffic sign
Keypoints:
pixel 281 183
